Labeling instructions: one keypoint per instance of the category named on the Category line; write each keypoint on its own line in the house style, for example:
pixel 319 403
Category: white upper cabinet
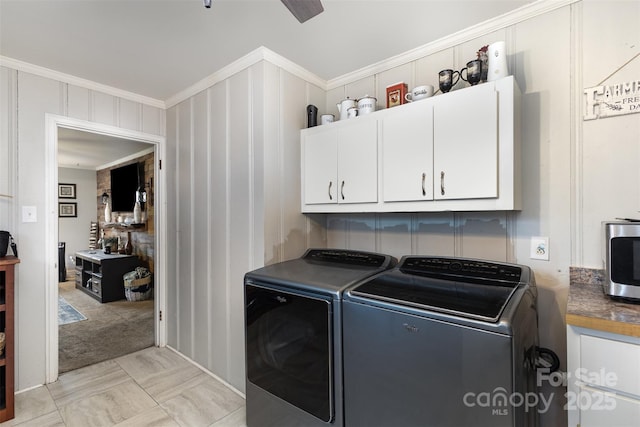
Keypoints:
pixel 465 148
pixel 458 151
pixel 407 153
pixel 320 161
pixel 340 164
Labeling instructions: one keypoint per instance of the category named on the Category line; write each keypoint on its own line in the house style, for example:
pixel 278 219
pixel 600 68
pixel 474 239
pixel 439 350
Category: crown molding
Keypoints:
pixel 253 57
pixel 77 81
pixel 523 13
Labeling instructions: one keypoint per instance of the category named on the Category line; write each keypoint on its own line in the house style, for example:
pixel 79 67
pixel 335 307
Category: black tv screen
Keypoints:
pixel 124 183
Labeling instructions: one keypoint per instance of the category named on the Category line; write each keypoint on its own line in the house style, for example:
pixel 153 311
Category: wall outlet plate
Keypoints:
pixel 29 214
pixel 539 248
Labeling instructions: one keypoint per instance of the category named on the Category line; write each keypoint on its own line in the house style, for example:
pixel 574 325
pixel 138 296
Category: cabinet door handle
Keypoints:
pixel 424 177
pixel 342 190
pixel 330 196
pixel 442 183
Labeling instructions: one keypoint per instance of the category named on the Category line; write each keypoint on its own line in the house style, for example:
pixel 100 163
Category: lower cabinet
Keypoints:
pixel 100 275
pixel 603 378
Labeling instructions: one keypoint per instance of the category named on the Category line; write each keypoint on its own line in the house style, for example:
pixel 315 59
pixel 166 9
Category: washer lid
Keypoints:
pixel 328 271
pixel 467 288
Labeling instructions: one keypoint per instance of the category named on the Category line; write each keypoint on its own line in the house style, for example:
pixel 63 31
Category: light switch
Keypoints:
pixel 539 248
pixel 29 214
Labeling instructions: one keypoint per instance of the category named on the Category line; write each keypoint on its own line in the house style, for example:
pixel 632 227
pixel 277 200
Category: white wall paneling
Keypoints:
pixel 104 108
pixel 37 96
pixel 26 101
pixel 184 212
pixel 129 114
pixel 170 166
pixel 219 232
pixel 248 197
pixel 8 148
pixel 610 153
pixel 200 222
pixel 78 102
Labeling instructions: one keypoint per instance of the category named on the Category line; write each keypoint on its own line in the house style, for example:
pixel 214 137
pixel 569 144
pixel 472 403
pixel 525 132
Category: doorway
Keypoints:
pixel 57 126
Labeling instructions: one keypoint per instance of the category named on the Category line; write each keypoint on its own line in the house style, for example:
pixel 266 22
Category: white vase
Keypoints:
pixel 107 212
pixel 497 61
pixel 137 213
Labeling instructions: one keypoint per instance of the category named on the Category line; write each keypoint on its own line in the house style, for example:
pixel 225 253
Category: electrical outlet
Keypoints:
pixel 539 248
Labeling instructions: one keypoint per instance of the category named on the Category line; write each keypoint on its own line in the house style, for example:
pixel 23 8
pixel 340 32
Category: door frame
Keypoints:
pixel 52 124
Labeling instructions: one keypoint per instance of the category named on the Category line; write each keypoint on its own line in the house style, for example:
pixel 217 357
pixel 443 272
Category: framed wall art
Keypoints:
pixel 66 191
pixel 67 210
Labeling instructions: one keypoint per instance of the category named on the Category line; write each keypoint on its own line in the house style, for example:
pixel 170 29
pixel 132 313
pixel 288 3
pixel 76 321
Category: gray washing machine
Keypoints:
pixel 441 342
pixel 293 336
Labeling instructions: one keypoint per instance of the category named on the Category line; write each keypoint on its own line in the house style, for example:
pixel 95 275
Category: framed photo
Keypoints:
pixel 67 210
pixel 66 191
pixel 395 94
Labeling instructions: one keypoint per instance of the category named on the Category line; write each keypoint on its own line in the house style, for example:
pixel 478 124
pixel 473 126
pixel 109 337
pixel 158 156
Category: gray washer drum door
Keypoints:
pixel 289 348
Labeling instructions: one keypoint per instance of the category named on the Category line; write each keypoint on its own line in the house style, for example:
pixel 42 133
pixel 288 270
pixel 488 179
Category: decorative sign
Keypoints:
pixel 616 100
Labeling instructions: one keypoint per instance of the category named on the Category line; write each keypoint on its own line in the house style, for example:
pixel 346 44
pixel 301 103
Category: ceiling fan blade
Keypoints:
pixel 303 10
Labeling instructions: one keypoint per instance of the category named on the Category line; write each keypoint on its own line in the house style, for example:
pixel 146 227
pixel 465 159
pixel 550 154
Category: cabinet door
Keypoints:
pixel 466 144
pixel 358 162
pixel 407 154
pixel 599 408
pixel 320 168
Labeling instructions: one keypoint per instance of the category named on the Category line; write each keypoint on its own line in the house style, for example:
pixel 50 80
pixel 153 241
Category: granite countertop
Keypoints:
pixel 589 307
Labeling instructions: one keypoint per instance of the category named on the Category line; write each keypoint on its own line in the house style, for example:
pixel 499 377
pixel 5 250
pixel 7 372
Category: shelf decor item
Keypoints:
pixel 106 201
pixel 484 57
pixel 128 248
pixel 137 213
pixel 137 285
pixel 396 94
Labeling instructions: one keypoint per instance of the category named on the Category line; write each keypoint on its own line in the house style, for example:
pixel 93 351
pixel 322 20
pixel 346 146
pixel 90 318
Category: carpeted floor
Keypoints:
pixel 111 330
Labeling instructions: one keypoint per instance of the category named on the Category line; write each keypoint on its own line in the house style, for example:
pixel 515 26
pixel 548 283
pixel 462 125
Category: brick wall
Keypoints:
pixel 142 239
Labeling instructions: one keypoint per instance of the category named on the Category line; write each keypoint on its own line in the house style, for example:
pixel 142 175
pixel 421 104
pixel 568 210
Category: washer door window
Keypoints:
pixel 289 348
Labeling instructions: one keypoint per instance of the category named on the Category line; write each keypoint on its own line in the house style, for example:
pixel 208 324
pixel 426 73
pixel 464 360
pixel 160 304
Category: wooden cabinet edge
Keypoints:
pixel 7 264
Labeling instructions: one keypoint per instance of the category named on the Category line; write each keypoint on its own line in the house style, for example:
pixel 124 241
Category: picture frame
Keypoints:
pixel 67 210
pixel 396 93
pixel 66 191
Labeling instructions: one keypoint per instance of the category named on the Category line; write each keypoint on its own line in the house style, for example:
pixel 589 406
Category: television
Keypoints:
pixel 124 183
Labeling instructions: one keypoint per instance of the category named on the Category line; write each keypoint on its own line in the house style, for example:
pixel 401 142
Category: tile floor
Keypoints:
pixel 151 387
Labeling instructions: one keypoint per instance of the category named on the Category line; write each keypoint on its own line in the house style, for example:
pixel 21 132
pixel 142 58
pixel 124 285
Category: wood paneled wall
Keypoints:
pixel 233 166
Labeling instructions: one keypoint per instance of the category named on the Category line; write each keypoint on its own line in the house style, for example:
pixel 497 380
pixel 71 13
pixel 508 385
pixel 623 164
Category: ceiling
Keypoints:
pixel 84 150
pixel 158 48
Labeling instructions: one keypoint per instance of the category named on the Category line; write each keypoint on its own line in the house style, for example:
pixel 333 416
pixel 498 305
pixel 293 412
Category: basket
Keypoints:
pixel 2 342
pixel 138 288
